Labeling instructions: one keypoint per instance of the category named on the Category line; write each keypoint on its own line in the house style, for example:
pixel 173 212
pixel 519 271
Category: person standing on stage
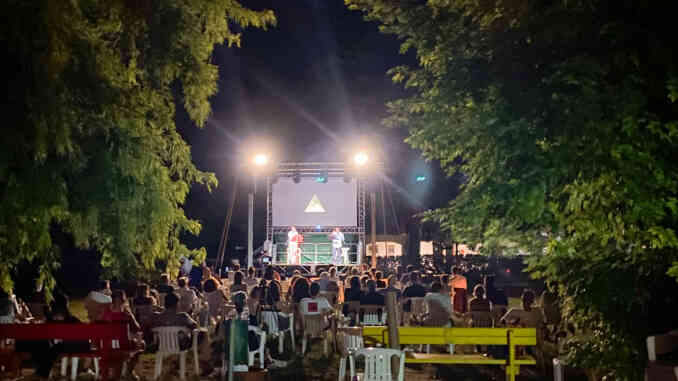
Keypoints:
pixel 293 239
pixel 337 238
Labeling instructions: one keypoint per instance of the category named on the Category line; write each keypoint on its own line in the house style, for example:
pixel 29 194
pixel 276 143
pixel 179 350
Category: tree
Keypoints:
pixel 562 117
pixel 90 147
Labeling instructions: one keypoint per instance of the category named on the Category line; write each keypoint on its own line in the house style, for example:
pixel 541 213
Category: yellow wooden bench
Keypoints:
pixel 467 336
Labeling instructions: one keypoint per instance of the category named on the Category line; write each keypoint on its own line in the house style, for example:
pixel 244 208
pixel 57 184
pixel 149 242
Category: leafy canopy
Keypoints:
pixel 562 117
pixel 90 147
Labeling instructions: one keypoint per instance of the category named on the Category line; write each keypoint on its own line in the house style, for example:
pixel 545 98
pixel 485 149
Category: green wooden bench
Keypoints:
pixel 510 337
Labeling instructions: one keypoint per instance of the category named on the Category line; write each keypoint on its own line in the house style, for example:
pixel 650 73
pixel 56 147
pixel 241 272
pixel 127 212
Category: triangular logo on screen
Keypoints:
pixel 314 206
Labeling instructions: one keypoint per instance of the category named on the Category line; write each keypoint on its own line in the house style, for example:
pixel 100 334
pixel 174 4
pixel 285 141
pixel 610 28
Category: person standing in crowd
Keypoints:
pixel 119 313
pixel 251 280
pixel 293 240
pixel 238 284
pixel 479 302
pixel 378 278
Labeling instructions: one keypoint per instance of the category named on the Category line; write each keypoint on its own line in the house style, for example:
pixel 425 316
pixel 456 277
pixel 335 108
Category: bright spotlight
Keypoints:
pixel 360 158
pixel 261 159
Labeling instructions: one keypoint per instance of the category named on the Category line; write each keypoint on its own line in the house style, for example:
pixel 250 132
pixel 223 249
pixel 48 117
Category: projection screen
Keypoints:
pixel 312 203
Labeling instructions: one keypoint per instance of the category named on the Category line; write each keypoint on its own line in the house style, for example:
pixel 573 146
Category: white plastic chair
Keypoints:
pixel 371 315
pixel 168 345
pixel 378 364
pixel 74 367
pixel 314 326
pixel 260 350
pixel 270 319
pixel 352 340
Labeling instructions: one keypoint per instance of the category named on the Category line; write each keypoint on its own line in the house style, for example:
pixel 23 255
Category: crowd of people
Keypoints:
pixel 186 303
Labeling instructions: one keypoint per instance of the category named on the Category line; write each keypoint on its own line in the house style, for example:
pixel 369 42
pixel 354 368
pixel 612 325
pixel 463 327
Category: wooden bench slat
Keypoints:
pixel 441 358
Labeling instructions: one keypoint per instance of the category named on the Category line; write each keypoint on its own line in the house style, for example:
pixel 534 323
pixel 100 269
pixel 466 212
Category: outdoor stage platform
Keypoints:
pixel 316 198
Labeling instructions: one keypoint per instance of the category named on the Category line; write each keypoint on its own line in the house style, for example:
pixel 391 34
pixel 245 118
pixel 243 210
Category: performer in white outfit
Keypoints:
pixel 337 238
pixel 293 246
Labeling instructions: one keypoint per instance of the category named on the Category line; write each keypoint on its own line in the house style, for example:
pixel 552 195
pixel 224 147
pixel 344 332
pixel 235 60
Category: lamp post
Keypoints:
pixel 259 160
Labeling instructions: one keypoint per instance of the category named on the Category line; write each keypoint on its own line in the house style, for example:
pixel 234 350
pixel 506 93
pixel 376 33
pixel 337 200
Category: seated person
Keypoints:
pixel 372 296
pixel 238 283
pixel 439 306
pixel 378 278
pixel 251 280
pixel 171 316
pixel 164 287
pixel 391 286
pixel 97 302
pixel 119 312
pixel 324 280
pixel 299 288
pixel 479 302
pixel 314 304
pixel 215 297
pixel 528 316
pixel 187 297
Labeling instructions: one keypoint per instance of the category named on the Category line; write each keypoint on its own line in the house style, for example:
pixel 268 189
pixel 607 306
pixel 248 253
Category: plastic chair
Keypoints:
pixel 74 367
pixel 260 350
pixel 378 364
pixel 270 319
pixel 352 340
pixel 372 315
pixel 314 326
pixel 168 345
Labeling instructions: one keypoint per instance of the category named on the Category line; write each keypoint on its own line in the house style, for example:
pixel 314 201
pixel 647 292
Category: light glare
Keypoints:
pixel 261 159
pixel 360 158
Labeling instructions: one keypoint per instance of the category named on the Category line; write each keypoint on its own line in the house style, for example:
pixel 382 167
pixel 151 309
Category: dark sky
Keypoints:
pixel 321 72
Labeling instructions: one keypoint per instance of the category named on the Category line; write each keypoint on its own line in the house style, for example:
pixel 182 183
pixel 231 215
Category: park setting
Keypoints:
pixel 307 190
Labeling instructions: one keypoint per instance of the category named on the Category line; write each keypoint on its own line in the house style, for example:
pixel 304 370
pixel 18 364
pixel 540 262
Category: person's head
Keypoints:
pixel 363 281
pixel 324 275
pixel 355 283
pixel 355 271
pixel 209 285
pixel 371 285
pixel 333 272
pixel 268 273
pixel 315 289
pixel 409 268
pixel 239 299
pixel 436 287
pixel 378 275
pixel 296 273
pixel 143 291
pixel 236 267
pixel 164 279
pixel 171 301
pixel 250 272
pixel 414 277
pixel 456 270
pixel 392 281
pixel 405 280
pixel 336 229
pixel 182 282
pixel 479 291
pixel 59 305
pixel 528 299
pixel 292 228
pixel 119 298
pixel 237 277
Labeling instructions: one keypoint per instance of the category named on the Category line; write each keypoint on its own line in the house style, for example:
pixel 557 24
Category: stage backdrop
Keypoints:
pixel 312 203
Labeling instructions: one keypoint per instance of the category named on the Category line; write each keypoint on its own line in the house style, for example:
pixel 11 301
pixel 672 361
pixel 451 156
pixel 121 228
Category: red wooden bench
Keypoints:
pixel 101 337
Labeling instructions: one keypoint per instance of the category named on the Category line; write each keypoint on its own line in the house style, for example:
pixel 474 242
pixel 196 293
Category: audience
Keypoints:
pixel 237 284
pixel 527 316
pixel 415 289
pixel 479 302
pixel 439 306
pixel 187 297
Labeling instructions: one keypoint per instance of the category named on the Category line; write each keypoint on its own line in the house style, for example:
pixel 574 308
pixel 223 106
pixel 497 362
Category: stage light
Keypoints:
pixel 322 178
pixel 420 179
pixel 260 159
pixel 360 158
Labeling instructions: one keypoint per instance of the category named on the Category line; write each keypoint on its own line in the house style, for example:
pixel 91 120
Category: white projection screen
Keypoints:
pixel 312 203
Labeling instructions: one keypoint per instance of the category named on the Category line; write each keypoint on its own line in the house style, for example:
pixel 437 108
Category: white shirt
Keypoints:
pixel 314 306
pixel 290 235
pixel 337 239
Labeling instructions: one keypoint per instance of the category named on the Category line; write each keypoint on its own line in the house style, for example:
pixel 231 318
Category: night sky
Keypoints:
pixel 309 87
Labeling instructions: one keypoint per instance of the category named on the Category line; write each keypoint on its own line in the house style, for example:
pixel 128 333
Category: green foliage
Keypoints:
pixel 90 146
pixel 563 121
